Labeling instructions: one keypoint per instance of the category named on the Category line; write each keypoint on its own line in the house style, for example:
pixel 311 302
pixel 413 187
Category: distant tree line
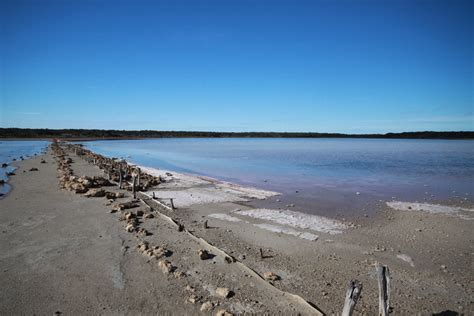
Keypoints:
pixel 120 134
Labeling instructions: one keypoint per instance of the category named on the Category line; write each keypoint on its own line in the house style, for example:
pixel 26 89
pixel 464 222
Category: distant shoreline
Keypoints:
pixel 94 134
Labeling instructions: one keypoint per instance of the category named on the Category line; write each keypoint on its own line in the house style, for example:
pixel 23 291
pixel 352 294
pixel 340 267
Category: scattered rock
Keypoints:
pixel 204 254
pixel 223 292
pixel 149 215
pixel 140 213
pixel 206 306
pixel 34 169
pixel 270 276
pixel 223 312
pixel 4 165
pixel 193 299
pixel 130 228
pixel 129 215
pixel 179 275
pixel 95 193
pixel 165 266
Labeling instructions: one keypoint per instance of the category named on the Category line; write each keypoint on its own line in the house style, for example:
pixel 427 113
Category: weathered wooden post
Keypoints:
pixel 352 295
pixel 153 197
pixel 134 180
pixel 383 276
pixel 205 224
pixel 120 178
pixel 261 254
pixel 172 204
pixel 138 176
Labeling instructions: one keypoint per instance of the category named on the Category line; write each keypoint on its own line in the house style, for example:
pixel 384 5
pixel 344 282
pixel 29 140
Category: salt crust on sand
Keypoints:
pixel 225 217
pixel 296 219
pixel 190 189
pixel 432 209
pixel 287 231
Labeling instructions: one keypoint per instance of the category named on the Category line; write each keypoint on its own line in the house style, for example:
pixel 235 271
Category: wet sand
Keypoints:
pixel 67 253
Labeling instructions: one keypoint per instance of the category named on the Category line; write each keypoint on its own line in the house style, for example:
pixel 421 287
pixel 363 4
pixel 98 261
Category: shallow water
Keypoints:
pixel 317 175
pixel 12 149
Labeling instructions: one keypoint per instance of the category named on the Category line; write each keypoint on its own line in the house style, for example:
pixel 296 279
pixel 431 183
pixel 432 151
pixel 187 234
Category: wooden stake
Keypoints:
pixel 120 178
pixel 383 275
pixel 133 186
pixel 352 295
pixel 205 224
pixel 172 204
pixel 261 253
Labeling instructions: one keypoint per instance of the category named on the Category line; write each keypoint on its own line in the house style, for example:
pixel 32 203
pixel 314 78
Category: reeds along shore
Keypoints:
pixel 118 171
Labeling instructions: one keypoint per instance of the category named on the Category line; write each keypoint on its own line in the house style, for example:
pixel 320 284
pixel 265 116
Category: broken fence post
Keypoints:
pixel 134 191
pixel 383 276
pixel 120 178
pixel 138 176
pixel 205 224
pixel 352 295
pixel 172 204
pixel 261 253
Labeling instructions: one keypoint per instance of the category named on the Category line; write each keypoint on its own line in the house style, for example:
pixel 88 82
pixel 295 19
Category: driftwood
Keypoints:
pixel 383 276
pixel 352 296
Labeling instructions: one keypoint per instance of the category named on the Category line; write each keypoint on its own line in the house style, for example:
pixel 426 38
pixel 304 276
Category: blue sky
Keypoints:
pixel 322 66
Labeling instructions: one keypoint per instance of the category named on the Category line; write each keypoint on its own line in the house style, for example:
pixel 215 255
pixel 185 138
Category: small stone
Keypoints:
pixel 206 306
pixel 149 215
pixel 189 288
pixel 204 254
pixel 165 266
pixel 130 228
pixel 271 276
pixel 179 275
pixel 223 312
pixel 95 193
pixel 223 292
pixel 34 169
pixel 193 299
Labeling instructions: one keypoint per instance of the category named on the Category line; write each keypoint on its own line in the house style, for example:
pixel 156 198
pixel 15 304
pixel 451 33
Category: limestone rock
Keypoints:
pixel 223 312
pixel 223 292
pixel 206 306
pixel 165 266
pixel 270 276
pixel 95 193
pixel 204 254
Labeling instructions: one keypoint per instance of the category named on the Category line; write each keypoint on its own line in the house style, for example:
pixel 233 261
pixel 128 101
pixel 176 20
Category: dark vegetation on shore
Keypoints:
pixel 84 134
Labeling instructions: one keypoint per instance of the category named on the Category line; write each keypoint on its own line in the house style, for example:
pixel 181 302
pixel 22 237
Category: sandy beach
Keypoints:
pixel 65 253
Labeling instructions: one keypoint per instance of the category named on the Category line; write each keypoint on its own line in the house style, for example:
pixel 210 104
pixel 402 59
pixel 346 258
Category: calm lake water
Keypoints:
pixel 10 150
pixel 323 176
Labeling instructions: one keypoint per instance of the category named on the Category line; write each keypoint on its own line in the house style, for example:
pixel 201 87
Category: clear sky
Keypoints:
pixel 322 66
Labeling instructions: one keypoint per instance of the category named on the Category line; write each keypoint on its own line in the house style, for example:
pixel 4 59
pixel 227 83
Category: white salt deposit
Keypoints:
pixel 296 219
pixel 187 190
pixel 432 209
pixel 406 258
pixel 225 217
pixel 287 231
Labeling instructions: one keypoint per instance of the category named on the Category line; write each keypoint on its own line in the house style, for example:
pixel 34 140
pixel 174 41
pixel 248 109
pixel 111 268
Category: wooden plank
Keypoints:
pixel 383 276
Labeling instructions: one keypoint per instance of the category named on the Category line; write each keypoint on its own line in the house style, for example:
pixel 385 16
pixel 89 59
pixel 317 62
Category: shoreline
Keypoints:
pixel 429 254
